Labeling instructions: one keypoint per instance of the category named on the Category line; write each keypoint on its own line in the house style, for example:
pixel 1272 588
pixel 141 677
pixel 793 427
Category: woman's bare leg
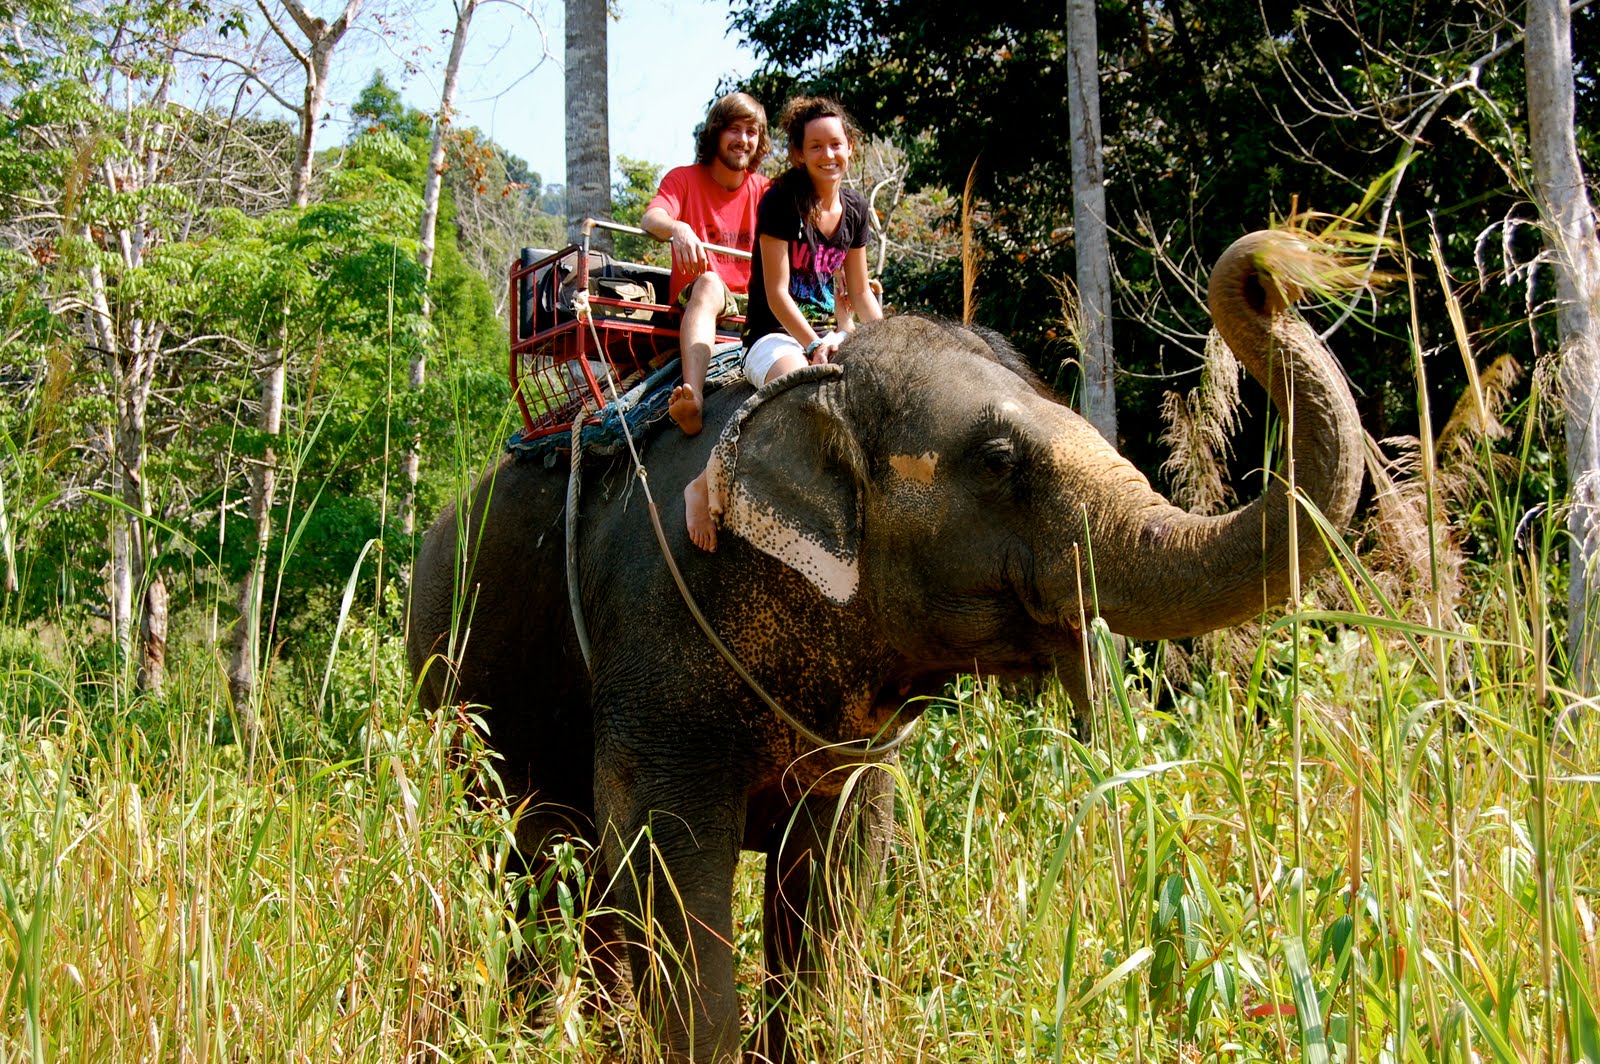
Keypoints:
pixel 697 496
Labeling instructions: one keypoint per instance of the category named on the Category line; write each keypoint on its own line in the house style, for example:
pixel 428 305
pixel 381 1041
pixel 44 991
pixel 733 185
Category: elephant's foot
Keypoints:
pixel 697 514
pixel 684 408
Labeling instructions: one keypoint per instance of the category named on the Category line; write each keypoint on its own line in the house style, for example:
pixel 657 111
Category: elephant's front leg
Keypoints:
pixel 823 863
pixel 672 836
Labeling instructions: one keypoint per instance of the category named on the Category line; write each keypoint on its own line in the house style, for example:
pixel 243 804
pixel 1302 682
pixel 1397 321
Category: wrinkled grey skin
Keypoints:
pixel 922 515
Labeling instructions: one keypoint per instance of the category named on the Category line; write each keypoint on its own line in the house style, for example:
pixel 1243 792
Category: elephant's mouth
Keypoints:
pixel 915 688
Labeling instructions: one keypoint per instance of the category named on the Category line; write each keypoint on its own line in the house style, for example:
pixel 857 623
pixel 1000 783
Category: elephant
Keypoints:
pixel 921 509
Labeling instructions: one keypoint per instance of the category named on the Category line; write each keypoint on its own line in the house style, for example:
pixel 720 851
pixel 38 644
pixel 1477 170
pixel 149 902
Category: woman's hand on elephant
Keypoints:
pixel 826 347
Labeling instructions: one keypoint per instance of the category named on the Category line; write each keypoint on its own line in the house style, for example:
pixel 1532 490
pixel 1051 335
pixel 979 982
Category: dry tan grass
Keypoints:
pixel 1200 428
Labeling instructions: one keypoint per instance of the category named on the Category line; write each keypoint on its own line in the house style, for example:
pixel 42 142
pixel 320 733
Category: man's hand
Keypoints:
pixel 688 254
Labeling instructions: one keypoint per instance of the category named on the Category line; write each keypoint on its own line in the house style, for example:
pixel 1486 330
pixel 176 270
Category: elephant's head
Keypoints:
pixel 935 485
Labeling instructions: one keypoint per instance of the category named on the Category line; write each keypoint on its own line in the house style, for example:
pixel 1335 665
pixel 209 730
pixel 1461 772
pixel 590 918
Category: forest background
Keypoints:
pixel 225 345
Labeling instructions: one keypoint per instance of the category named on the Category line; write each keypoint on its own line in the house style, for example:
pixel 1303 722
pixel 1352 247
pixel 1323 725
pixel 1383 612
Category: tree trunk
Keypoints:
pixel 1099 401
pixel 1570 224
pixel 588 120
pixel 8 551
pixel 153 633
pixel 103 336
pixel 431 187
pixel 134 381
pixel 129 354
pixel 242 669
pixel 321 37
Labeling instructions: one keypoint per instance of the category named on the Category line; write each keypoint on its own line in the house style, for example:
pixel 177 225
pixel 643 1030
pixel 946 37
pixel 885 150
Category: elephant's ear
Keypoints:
pixel 784 478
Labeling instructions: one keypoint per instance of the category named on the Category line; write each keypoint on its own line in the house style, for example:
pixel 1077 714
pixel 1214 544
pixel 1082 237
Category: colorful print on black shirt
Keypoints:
pixel 813 257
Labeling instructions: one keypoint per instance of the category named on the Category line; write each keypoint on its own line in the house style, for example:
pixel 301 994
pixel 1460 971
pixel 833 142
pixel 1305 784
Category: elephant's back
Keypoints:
pixel 494 576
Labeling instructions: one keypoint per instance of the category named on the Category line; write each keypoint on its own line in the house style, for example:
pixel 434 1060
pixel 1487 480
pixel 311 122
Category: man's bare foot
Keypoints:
pixel 684 406
pixel 697 514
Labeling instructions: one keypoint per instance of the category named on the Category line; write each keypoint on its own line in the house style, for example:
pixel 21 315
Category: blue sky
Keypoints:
pixel 665 59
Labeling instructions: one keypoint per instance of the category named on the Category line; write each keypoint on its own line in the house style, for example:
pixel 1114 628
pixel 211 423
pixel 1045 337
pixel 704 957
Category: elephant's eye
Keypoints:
pixel 998 456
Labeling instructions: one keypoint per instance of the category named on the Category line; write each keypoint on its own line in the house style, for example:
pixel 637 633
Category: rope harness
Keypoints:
pixel 861 749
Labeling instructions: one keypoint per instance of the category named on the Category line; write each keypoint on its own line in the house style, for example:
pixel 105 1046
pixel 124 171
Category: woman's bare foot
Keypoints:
pixel 684 406
pixel 697 514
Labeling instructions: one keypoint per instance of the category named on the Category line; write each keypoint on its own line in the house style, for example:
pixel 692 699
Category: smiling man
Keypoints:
pixel 712 202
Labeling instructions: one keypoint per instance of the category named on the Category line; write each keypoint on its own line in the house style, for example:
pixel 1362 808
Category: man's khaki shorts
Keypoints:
pixel 734 303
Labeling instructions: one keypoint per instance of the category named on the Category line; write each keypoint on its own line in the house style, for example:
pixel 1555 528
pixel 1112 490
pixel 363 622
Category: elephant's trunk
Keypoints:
pixel 1163 573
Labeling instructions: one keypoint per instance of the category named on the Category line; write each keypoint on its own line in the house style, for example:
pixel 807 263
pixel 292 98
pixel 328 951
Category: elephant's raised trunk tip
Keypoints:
pixel 1274 268
pixel 1215 571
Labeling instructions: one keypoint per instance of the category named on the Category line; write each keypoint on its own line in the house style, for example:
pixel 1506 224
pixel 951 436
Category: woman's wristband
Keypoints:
pixel 833 338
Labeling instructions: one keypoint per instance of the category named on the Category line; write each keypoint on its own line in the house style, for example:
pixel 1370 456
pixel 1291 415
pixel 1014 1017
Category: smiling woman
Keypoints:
pixel 809 227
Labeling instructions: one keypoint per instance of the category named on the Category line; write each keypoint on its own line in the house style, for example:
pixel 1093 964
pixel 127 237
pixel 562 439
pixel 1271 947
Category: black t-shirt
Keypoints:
pixel 813 258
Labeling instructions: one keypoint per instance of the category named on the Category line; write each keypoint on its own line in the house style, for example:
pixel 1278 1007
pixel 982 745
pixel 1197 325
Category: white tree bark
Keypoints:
pixel 1099 399
pixel 588 119
pixel 242 664
pixel 129 348
pixel 153 637
pixel 1569 220
pixel 434 180
pixel 315 57
pixel 431 187
pixel 107 342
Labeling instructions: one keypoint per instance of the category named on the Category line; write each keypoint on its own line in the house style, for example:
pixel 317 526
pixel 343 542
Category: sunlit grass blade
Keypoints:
pixel 1483 1021
pixel 1308 1011
pixel 345 602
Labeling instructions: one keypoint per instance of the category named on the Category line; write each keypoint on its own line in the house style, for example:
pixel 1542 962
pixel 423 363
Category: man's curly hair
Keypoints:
pixel 724 113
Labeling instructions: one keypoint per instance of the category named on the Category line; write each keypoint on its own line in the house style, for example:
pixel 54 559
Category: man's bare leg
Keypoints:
pixel 697 514
pixel 696 330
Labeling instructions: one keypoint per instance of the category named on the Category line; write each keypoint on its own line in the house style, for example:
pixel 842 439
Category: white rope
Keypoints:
pixel 867 751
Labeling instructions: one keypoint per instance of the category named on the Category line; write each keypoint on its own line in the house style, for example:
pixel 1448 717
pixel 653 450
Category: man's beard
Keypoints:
pixel 734 163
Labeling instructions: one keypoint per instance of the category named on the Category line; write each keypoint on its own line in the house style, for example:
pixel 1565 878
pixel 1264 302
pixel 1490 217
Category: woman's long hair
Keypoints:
pixel 797 114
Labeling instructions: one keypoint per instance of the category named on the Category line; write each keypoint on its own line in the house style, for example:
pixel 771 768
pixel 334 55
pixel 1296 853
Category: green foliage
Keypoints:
pixel 629 198
pixel 1215 119
pixel 172 218
pixel 379 107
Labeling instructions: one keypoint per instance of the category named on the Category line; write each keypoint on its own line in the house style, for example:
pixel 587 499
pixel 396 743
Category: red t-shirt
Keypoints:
pixel 690 195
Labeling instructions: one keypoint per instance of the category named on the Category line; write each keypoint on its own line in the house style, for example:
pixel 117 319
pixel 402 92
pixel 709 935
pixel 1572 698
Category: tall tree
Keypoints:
pixel 95 124
pixel 313 50
pixel 1569 222
pixel 1099 400
pixel 432 185
pixel 588 119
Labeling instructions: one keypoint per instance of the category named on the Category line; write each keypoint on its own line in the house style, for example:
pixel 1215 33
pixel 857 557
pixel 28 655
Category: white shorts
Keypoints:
pixel 765 352
pixel 761 355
